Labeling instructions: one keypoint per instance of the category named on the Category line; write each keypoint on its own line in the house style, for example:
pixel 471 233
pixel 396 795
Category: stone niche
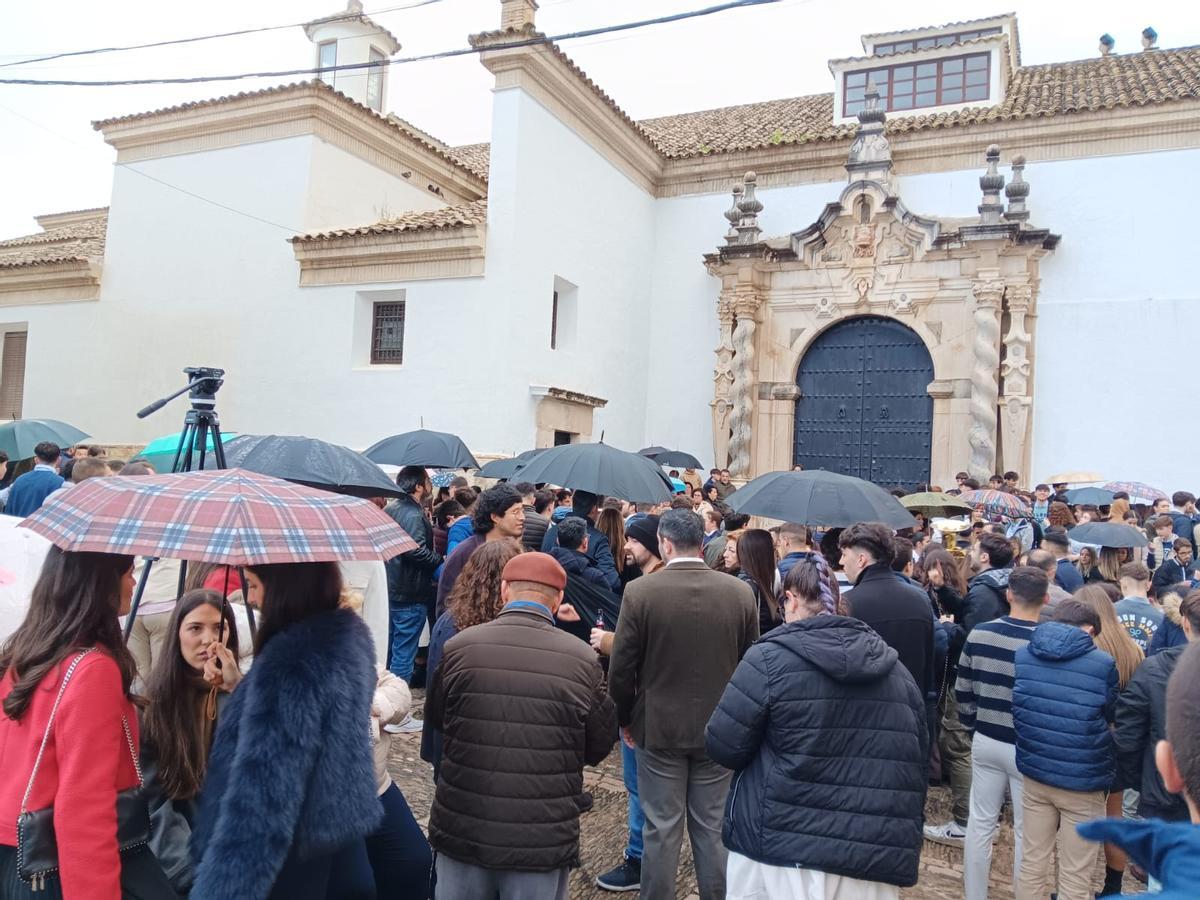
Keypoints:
pixel 564 411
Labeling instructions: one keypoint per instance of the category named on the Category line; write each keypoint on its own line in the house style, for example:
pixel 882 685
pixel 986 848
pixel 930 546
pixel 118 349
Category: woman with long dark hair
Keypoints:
pixel 72 626
pixel 756 567
pixel 180 719
pixel 290 791
pixel 612 526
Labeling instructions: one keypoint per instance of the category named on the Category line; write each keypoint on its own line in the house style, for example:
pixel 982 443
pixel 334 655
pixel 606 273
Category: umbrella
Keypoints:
pixel 434 449
pixel 20 436
pixel 507 468
pixel 1093 495
pixel 818 497
pixel 1137 491
pixel 934 503
pixel 600 469
pixel 160 452
pixel 308 461
pixel 1073 478
pixel 997 504
pixel 665 457
pixel 21 556
pixel 228 516
pixel 1108 534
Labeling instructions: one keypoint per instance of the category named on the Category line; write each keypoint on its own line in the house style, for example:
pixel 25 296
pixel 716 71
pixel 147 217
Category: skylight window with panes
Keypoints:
pixel 920 85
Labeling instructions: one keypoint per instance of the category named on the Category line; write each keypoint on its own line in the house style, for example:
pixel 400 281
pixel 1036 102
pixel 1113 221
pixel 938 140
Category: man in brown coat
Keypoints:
pixel 681 633
pixel 523 708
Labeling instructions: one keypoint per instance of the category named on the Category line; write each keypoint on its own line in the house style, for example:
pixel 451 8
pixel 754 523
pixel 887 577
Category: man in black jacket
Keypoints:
pixel 411 588
pixel 992 559
pixel 1142 723
pixel 587 506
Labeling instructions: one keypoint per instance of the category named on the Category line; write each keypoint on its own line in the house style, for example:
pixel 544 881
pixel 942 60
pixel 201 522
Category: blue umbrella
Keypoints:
pixel 160 452
pixel 1093 495
pixel 20 436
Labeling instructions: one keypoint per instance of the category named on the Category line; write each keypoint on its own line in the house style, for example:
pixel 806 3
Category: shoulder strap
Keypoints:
pixel 50 724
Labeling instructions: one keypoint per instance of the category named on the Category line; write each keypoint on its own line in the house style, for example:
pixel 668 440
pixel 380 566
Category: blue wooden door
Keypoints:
pixel 864 406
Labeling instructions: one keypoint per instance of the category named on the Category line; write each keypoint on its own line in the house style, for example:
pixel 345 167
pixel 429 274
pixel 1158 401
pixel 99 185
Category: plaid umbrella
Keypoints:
pixel 1137 491
pixel 226 516
pixel 996 504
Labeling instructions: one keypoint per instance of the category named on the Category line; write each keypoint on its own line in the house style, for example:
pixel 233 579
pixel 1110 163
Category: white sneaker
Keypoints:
pixel 408 726
pixel 951 834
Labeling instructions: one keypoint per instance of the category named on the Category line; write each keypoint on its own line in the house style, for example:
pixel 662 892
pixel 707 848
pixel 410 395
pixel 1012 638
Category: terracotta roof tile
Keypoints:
pixel 475 157
pixel 82 240
pixel 473 213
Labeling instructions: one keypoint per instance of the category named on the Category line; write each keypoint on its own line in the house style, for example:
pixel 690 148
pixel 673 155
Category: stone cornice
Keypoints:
pixel 567 396
pixel 303 109
pixel 395 256
pixel 59 282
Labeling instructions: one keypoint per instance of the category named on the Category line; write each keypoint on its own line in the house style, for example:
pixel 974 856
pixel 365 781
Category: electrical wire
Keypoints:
pixel 209 37
pixel 380 64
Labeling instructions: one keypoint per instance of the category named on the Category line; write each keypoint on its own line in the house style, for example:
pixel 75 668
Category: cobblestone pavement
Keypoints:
pixel 604 832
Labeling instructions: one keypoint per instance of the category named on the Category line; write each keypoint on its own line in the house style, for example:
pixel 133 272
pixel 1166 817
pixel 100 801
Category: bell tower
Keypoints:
pixel 351 38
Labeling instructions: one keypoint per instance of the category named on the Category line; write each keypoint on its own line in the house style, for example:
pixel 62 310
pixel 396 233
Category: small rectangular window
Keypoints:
pixel 12 375
pixel 326 60
pixel 387 334
pixel 554 322
pixel 375 81
pixel 921 85
pixel 562 438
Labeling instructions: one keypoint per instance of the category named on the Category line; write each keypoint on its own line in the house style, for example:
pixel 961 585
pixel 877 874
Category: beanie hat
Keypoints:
pixel 645 532
pixel 540 568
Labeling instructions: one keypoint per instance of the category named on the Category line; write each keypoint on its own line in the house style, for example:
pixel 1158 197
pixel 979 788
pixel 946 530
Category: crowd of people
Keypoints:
pixel 785 695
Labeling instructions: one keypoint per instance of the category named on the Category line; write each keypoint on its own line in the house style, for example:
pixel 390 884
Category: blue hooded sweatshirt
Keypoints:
pixel 1170 851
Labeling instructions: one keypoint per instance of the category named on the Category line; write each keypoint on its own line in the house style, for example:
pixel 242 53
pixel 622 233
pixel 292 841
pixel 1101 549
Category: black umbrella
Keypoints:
pixel 600 469
pixel 434 449
pixel 665 457
pixel 1108 534
pixel 819 498
pixel 507 468
pixel 310 462
pixel 1093 495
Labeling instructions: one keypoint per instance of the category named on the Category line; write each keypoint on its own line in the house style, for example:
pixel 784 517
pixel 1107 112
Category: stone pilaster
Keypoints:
pixel 1016 370
pixel 723 380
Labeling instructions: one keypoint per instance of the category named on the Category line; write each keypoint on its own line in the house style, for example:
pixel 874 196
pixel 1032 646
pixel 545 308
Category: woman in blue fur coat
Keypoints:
pixel 290 790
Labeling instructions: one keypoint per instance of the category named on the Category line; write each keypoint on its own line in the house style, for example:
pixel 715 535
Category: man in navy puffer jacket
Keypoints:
pixel 1064 700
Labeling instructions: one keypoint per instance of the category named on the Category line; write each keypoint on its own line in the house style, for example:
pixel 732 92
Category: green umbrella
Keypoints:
pixel 935 503
pixel 160 452
pixel 20 436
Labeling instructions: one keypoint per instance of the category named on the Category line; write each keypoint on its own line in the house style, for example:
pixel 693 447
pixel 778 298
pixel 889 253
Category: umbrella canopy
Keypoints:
pixel 507 468
pixel 433 449
pixel 818 497
pixel 160 452
pixel 20 436
pixel 1108 534
pixel 600 469
pixel 997 504
pixel 935 503
pixel 1081 477
pixel 1093 495
pixel 1137 491
pixel 308 461
pixel 228 516
pixel 665 457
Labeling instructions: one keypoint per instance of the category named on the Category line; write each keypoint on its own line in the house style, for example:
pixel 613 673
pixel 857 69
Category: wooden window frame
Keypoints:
pixel 381 356
pixel 950 74
pixel 14 389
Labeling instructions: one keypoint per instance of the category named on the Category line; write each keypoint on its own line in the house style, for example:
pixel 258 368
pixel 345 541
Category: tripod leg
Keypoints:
pixel 181 447
pixel 137 596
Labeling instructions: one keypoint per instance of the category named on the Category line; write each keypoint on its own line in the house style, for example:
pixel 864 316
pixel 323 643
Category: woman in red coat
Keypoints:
pixel 87 760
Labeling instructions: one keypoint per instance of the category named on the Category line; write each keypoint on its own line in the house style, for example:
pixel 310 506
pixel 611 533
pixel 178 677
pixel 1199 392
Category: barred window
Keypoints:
pixel 939 82
pixel 387 334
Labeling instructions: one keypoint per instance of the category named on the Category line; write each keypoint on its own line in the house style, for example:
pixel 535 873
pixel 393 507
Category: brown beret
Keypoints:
pixel 540 568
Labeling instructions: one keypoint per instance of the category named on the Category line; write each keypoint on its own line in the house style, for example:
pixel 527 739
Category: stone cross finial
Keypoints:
pixel 991 183
pixel 1016 192
pixel 749 207
pixel 734 215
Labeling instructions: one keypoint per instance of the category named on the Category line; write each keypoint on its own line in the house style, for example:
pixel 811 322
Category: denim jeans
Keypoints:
pixel 407 623
pixel 399 853
pixel 637 818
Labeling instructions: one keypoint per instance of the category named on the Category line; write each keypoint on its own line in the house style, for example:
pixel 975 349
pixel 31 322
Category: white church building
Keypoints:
pixel 949 260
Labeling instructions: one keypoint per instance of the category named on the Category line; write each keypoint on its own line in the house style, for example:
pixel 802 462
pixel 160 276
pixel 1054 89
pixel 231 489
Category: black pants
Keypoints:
pixel 394 862
pixel 142 878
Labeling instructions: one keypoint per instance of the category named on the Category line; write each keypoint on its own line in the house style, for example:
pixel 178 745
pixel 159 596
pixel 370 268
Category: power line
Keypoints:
pixel 210 37
pixel 445 54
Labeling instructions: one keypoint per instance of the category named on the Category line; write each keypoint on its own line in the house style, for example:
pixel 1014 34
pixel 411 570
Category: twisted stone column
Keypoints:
pixel 723 382
pixel 742 399
pixel 985 374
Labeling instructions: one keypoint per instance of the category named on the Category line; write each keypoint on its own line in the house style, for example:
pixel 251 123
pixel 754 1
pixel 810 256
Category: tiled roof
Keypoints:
pixel 475 157
pixel 750 125
pixel 473 213
pixel 64 243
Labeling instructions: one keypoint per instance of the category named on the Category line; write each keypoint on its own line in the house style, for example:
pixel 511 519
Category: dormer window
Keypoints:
pixel 920 85
pixel 927 43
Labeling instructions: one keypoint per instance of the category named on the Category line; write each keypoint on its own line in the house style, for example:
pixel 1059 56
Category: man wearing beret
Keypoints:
pixel 523 708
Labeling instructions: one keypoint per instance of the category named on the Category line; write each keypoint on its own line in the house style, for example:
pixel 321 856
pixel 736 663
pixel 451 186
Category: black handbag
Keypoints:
pixel 37 846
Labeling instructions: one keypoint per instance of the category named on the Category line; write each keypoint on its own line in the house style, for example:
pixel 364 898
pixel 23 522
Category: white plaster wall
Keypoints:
pixel 345 191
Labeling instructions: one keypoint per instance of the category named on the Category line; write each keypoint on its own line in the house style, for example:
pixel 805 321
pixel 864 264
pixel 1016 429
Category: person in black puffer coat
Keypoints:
pixel 826 733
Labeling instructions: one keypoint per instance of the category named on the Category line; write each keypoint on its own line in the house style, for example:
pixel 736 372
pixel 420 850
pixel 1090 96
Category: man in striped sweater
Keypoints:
pixel 986 671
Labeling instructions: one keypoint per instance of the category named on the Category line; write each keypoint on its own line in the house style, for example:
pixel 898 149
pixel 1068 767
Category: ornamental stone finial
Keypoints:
pixel 870 156
pixel 1017 191
pixel 749 207
pixel 734 215
pixel 991 183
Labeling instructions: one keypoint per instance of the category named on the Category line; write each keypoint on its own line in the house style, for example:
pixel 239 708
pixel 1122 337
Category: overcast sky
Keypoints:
pixel 51 160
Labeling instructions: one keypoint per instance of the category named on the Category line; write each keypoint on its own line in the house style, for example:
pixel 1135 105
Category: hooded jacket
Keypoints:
pixel 291 774
pixel 987 598
pixel 576 563
pixel 1064 698
pixel 1170 632
pixel 1170 852
pixel 826 733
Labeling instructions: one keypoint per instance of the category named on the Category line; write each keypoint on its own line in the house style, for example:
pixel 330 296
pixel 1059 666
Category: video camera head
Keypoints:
pixel 204 382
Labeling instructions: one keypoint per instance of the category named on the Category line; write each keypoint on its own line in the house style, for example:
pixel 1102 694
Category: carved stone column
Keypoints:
pixel 1015 407
pixel 985 375
pixel 723 381
pixel 742 399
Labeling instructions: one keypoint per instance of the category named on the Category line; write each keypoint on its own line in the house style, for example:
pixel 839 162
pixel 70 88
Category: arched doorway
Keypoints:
pixel 864 406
